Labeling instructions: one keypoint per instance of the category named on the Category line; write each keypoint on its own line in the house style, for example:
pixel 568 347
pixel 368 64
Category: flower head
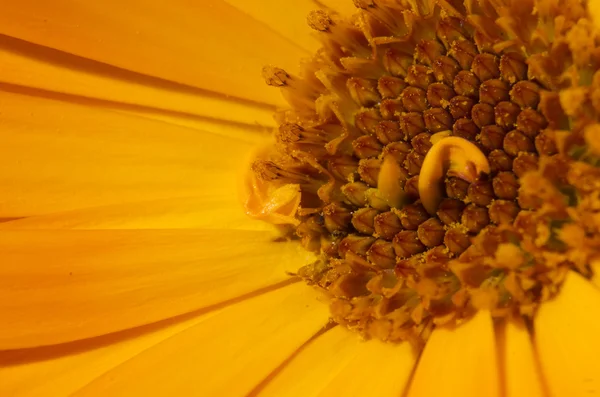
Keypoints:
pixel 437 161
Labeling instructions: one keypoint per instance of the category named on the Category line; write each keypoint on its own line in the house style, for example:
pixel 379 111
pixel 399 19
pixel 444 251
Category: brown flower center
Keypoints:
pixel 447 159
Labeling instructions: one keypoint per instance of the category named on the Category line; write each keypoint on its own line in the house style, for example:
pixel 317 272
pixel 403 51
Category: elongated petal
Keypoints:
pixel 35 373
pixel 210 211
pixel 59 286
pixel 342 6
pixel 57 156
pixel 276 15
pixel 376 366
pixel 226 355
pixel 314 366
pixel 208 44
pixel 459 362
pixel 30 65
pixel 566 337
pixel 520 367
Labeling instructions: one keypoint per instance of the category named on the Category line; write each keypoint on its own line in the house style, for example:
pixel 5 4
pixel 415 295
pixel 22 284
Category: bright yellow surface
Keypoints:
pixel 460 362
pixel 57 156
pixel 208 44
pixel 227 355
pixel 58 286
pixel 566 336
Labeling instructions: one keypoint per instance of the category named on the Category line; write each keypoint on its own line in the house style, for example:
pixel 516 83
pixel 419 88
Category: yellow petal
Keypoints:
pixel 315 365
pixel 459 362
pixel 226 355
pixel 253 133
pixel 344 7
pixel 378 366
pixel 57 156
pixel 79 284
pixel 208 44
pixel 26 64
pixel 64 369
pixel 277 16
pixel 566 338
pixel 520 368
pixel 213 210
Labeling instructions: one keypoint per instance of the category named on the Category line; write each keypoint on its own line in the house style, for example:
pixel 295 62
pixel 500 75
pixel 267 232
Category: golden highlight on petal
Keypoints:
pixel 209 45
pixel 228 354
pixel 566 339
pixel 459 362
pixel 212 210
pixel 65 374
pixel 29 65
pixel 73 281
pixel 58 156
pixel 521 373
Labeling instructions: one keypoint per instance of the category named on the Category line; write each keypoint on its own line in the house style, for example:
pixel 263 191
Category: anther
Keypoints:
pixel 492 137
pixel 465 128
pixel 525 94
pixel 530 122
pixel 319 20
pixel 413 215
pixel 493 91
pixel 485 67
pixel 481 193
pixel 457 240
pixel 275 77
pixel 439 94
pixel 463 51
pixel 516 142
pixel 482 114
pixel 437 119
pixel 450 211
pixel 512 68
pixel 363 220
pixel 407 243
pixel 390 87
pixel 412 124
pixel 431 232
pixel 363 91
pixel 382 255
pixel 467 84
pixel 445 69
pixel 506 185
pixel 355 193
pixel 427 51
pixel 387 225
pixel 366 146
pixel 475 218
pixel 388 131
pixel 503 212
pixel 368 169
pixel 461 106
pixel 414 99
pixel 524 163
pixel 419 76
pixel 500 161
pixel 391 109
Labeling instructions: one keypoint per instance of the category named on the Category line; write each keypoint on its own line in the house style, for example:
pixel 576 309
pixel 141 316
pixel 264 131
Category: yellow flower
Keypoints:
pixel 127 266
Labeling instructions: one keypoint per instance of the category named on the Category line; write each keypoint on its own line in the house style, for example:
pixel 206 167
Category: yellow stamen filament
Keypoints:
pixel 451 155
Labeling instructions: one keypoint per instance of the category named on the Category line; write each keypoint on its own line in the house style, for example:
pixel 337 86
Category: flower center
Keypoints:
pixel 446 157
